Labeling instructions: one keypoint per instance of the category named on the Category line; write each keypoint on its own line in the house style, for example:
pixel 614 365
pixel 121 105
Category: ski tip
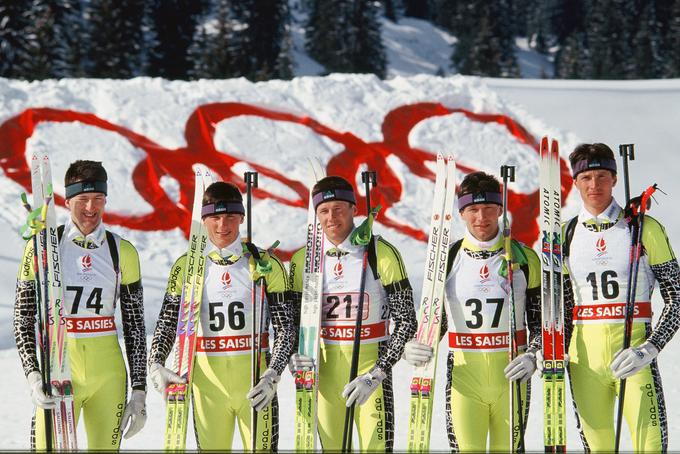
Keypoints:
pixel 554 147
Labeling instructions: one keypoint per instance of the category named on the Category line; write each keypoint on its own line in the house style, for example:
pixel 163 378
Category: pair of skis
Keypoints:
pixel 179 395
pixel 431 304
pixel 307 381
pixel 60 423
pixel 554 397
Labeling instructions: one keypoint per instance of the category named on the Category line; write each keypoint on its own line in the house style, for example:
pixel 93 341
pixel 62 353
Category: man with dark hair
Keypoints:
pixel 99 268
pixel 477 320
pixel 387 298
pixel 596 257
pixel 221 385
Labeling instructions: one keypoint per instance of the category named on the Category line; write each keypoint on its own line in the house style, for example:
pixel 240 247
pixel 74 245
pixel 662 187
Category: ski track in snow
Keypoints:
pixel 613 112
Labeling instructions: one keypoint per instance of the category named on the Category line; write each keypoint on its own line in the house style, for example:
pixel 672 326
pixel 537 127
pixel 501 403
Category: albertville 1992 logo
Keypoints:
pixel 601 247
pixel 86 263
pixel 337 270
pixel 484 274
pixel 225 279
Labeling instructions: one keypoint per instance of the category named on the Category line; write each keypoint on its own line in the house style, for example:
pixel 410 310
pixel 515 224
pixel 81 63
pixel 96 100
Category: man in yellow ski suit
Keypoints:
pixel 479 373
pixel 387 297
pixel 99 269
pixel 596 255
pixel 221 387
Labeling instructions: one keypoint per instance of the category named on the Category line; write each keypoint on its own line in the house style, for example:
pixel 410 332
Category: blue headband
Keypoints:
pixel 479 197
pixel 222 207
pixel 333 194
pixel 83 187
pixel 593 164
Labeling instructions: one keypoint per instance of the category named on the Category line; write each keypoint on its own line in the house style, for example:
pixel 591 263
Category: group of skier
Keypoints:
pixel 100 269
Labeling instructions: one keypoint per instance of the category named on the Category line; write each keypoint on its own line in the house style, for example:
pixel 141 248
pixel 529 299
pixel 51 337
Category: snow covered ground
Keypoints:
pixel 273 127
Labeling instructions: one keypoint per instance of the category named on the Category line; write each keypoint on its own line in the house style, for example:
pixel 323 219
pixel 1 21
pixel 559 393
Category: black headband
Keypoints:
pixel 593 164
pixel 83 187
pixel 333 194
pixel 473 198
pixel 222 207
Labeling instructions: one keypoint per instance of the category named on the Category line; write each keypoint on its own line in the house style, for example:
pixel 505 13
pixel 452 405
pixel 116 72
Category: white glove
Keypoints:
pixel 521 368
pixel 360 389
pixel 539 360
pixel 300 362
pixel 38 396
pixel 135 413
pixel 631 360
pixel 264 391
pixel 416 353
pixel 161 377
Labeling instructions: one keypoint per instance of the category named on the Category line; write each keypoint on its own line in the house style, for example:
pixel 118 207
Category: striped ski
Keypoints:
pixel 49 275
pixel 554 411
pixel 431 305
pixel 179 395
pixel 307 381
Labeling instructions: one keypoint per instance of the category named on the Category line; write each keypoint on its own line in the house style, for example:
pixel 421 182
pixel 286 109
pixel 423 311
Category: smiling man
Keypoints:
pixel 387 298
pixel 477 320
pixel 99 269
pixel 596 255
pixel 222 397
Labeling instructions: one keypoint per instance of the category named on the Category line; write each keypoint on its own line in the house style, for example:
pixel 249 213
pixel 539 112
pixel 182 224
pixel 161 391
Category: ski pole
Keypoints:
pixel 251 181
pixel 367 178
pixel 627 152
pixel 508 175
pixel 635 253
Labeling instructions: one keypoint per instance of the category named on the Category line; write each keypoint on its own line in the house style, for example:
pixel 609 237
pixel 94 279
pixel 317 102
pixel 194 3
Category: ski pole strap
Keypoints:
pixel 361 236
pixel 640 204
pixel 479 197
pixel 593 164
pixel 35 223
pixel 517 256
pixel 83 187
pixel 262 263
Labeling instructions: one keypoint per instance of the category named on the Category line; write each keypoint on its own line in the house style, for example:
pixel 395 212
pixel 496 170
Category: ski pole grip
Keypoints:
pixel 250 179
pixel 369 178
pixel 627 152
pixel 508 173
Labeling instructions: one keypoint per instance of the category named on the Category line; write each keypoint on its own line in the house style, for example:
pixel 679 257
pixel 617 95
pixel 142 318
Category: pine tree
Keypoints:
pixel 573 59
pixel 116 38
pixel 485 45
pixel 39 39
pixel 420 9
pixel 174 24
pixel 671 40
pixel 70 39
pixel 267 40
pixel 345 36
pixel 14 20
pixel 647 40
pixel 211 50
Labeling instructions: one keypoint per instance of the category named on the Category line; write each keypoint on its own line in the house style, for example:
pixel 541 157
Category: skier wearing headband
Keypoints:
pixel 222 397
pixel 100 270
pixel 477 320
pixel 596 253
pixel 388 298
